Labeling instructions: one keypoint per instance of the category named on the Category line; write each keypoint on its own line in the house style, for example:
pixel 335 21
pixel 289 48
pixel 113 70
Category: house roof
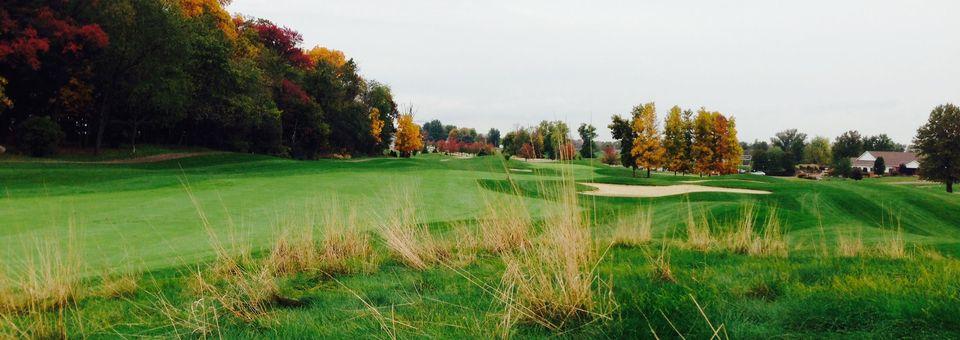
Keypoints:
pixel 893 158
pixel 890 158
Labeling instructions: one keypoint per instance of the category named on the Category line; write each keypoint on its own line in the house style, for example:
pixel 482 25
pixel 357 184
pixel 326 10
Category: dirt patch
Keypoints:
pixel 155 158
pixel 620 190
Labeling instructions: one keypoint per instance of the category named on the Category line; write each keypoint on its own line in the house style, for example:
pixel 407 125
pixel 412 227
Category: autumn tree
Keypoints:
pixel 379 96
pixel 408 136
pixel 43 46
pixel 675 142
pixel 646 151
pixel 733 157
pixel 376 124
pixel 938 146
pixel 334 58
pixel 213 9
pixel 721 150
pixel 704 142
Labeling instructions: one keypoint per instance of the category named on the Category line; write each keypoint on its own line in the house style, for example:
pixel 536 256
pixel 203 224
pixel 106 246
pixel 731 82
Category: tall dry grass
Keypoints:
pixel 35 295
pixel 553 283
pixel 699 236
pixel 850 245
pixel 634 230
pixel 505 224
pixel 892 245
pixel 408 240
pixel 344 247
pixel 746 239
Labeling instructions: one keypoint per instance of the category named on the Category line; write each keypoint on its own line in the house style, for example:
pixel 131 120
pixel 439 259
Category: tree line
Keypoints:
pixel 704 143
pixel 451 139
pixel 789 148
pixel 95 74
pixel 549 139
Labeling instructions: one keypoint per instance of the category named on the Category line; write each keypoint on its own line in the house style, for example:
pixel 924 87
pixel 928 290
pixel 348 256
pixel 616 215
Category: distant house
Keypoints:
pixel 746 159
pixel 891 159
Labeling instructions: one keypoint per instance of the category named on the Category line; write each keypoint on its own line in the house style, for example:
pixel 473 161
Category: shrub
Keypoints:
pixel 38 136
pixel 610 155
pixel 856 174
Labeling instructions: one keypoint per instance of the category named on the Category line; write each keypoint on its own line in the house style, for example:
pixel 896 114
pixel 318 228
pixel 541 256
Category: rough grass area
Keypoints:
pixel 241 246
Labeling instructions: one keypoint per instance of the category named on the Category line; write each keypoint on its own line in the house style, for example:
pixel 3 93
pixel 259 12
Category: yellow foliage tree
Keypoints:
pixel 733 158
pixel 703 141
pixel 4 101
pixel 196 8
pixel 675 145
pixel 328 56
pixel 647 151
pixel 408 136
pixel 376 124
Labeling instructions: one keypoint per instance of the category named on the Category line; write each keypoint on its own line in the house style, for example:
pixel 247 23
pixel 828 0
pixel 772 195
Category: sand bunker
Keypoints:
pixel 521 170
pixel 620 190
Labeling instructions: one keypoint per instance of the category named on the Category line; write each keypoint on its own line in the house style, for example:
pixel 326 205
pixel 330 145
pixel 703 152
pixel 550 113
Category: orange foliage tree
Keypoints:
pixel 214 8
pixel 331 57
pixel 408 136
pixel 647 151
pixel 703 142
pixel 376 124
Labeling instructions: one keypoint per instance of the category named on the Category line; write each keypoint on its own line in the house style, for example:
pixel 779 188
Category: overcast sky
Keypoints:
pixel 823 67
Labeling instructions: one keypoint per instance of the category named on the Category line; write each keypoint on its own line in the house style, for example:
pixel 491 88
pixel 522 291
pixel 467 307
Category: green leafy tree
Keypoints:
pixel 879 166
pixel 141 77
pixel 588 134
pixel 881 142
pixel 792 142
pixel 847 145
pixel 379 96
pixel 938 146
pixel 434 130
pixel 622 130
pixel 842 168
pixel 493 137
pixel 818 151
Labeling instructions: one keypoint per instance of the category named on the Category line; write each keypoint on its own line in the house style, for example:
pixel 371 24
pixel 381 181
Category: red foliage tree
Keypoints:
pixel 284 41
pixel 43 47
pixel 526 151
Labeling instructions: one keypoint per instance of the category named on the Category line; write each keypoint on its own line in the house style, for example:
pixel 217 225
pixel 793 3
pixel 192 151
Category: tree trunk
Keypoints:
pixel 648 172
pixel 133 137
pixel 101 126
pixel 634 171
pixel 950 185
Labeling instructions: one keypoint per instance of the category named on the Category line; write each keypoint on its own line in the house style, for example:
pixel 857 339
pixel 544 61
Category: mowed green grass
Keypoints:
pixel 140 217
